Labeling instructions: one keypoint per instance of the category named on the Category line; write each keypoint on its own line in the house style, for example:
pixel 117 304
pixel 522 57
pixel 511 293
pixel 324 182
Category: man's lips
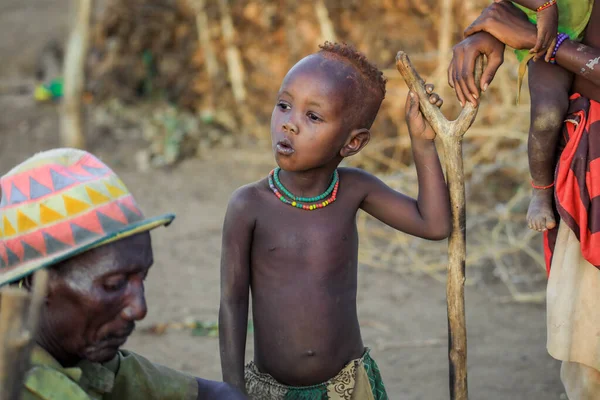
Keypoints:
pixel 284 147
pixel 120 335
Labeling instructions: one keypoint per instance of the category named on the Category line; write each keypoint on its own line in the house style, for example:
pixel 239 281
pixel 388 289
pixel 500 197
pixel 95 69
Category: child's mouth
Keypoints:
pixel 284 147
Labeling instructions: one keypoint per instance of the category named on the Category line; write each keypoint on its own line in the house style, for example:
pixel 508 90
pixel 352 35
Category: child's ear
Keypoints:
pixel 356 141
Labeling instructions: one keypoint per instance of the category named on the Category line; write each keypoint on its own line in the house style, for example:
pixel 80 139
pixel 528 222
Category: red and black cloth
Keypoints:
pixel 577 180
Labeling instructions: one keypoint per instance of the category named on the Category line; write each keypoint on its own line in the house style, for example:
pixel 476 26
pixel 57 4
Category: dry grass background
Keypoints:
pixel 218 64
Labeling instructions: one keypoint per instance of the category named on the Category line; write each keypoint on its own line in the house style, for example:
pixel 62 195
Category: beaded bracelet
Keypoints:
pixel 547 4
pixel 560 38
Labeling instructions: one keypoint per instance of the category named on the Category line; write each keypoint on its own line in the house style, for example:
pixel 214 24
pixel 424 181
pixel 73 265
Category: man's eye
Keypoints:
pixel 113 285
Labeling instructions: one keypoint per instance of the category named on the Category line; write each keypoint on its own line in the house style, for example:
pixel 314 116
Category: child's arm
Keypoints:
pixel 429 215
pixel 530 4
pixel 235 286
pixel 547 26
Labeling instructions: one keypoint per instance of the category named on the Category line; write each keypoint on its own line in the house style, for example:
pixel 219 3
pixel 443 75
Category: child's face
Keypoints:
pixel 308 127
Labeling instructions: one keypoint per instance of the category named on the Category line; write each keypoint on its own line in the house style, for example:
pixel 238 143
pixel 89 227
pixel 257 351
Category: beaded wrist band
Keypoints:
pixel 547 4
pixel 559 40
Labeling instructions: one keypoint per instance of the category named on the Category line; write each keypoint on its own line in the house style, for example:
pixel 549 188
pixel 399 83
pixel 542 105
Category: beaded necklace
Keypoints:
pixel 296 201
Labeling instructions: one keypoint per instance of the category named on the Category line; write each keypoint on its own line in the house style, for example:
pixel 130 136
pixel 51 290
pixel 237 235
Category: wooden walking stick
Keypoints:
pixel 451 134
pixel 19 316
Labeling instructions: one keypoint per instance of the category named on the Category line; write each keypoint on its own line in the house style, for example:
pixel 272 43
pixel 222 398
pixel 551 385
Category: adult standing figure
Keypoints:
pixel 67 211
pixel 573 248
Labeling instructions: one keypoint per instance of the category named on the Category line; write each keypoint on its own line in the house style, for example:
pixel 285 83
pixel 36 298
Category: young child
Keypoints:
pixel 292 237
pixel 549 87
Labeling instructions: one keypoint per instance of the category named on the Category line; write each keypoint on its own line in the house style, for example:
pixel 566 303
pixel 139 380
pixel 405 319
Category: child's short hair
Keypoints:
pixel 373 82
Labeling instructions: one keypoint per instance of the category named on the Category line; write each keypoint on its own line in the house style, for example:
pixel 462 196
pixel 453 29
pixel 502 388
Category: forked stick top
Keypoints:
pixel 434 116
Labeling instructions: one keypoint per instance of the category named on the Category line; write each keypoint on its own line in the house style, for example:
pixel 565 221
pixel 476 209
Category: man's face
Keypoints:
pixel 94 300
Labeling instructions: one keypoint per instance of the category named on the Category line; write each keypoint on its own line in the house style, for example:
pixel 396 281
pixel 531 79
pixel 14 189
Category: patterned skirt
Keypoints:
pixel 358 380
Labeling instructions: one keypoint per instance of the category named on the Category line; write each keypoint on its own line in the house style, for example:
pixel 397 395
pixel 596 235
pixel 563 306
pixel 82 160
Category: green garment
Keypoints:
pixel 360 379
pixel 127 377
pixel 573 17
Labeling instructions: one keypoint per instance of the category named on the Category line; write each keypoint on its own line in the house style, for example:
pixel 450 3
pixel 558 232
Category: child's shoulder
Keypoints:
pixel 355 175
pixel 248 195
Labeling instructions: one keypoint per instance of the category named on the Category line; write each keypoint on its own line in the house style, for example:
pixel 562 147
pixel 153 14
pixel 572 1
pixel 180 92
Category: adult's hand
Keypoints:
pixel 506 23
pixel 461 72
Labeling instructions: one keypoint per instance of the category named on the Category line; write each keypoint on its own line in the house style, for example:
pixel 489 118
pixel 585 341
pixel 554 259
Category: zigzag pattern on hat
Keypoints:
pixel 55 207
pixel 48 179
pixel 67 232
pixel 52 204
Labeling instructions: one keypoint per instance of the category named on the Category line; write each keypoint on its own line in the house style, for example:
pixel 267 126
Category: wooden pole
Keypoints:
pixel 19 316
pixel 451 134
pixel 234 57
pixel 72 131
pixel 327 30
pixel 210 59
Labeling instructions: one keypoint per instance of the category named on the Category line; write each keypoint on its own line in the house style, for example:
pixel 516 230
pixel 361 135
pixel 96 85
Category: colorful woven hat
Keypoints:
pixel 60 203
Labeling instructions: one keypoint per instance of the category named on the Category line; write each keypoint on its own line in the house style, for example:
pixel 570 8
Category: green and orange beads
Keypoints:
pixel 287 197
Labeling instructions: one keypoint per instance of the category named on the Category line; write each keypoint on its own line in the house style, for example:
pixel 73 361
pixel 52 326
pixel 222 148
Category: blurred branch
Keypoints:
pixel 19 316
pixel 72 133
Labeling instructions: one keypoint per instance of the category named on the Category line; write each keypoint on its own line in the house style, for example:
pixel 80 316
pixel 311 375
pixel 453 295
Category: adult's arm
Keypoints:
pixel 510 25
pixel 136 378
pixel 212 390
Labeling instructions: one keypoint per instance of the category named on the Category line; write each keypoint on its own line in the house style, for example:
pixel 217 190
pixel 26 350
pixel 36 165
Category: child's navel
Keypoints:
pixel 310 353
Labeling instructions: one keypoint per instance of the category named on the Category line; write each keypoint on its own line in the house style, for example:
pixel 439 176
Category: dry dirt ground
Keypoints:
pixel 403 317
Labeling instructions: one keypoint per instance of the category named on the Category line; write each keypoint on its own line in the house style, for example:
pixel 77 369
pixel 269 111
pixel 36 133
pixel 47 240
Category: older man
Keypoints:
pixel 65 210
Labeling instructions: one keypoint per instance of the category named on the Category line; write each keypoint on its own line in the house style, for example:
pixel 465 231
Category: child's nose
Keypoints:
pixel 290 127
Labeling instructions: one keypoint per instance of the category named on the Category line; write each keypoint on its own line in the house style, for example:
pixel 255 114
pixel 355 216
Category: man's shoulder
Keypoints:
pixel 46 379
pixel 46 383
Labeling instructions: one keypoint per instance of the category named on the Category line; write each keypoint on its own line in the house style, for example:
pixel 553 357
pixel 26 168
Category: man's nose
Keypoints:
pixel 136 310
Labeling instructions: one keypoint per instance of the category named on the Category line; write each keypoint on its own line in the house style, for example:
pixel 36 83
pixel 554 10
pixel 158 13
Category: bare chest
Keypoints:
pixel 324 239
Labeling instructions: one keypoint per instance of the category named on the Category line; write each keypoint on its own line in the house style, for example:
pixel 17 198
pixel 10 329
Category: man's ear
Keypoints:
pixel 356 141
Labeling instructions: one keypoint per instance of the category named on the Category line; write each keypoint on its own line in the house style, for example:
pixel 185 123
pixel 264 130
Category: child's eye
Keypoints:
pixel 283 106
pixel 314 117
